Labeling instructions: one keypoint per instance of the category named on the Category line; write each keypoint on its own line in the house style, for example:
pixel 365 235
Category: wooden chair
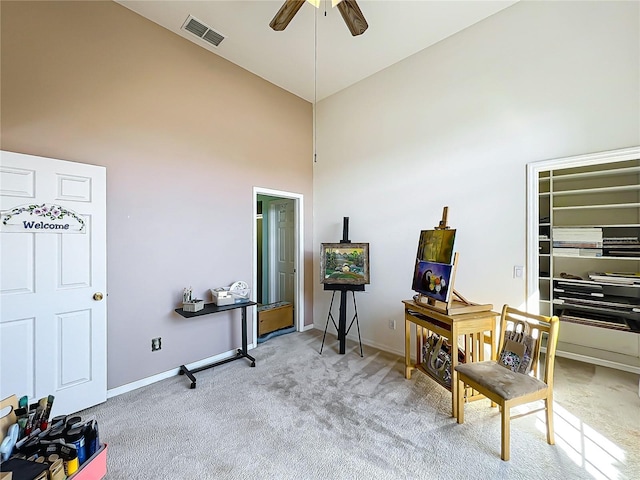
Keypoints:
pixel 508 388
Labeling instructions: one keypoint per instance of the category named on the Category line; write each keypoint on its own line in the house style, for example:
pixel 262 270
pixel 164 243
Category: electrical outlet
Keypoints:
pixel 518 271
pixel 392 324
pixel 156 344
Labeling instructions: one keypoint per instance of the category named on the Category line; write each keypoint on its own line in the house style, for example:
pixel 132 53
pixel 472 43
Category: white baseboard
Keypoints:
pixel 308 327
pixel 114 392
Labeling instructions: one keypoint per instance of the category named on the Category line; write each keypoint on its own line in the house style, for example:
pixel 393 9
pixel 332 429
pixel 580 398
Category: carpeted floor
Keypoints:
pixel 300 415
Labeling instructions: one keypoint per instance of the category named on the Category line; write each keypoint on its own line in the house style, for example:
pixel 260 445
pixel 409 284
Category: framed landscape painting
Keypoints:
pixel 344 263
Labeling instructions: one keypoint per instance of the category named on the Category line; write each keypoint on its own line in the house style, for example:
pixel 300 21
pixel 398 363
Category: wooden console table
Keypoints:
pixel 477 328
pixel 241 352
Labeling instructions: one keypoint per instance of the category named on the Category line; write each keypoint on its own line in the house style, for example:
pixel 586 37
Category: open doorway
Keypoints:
pixel 278 262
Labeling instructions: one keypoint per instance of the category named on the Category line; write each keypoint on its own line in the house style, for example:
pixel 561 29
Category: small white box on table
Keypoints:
pixel 222 297
pixel 231 295
pixel 193 305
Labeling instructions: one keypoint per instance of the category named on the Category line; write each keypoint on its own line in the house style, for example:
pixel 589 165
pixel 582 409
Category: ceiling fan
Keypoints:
pixel 351 14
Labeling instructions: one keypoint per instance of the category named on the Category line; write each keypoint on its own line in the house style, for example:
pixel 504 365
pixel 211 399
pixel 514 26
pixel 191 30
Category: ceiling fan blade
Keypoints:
pixel 353 17
pixel 286 13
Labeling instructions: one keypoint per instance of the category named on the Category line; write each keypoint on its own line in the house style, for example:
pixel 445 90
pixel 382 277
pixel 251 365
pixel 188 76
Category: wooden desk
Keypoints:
pixel 477 328
pixel 240 352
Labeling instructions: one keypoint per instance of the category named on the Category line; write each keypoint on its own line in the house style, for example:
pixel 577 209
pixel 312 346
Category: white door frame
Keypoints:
pixel 299 253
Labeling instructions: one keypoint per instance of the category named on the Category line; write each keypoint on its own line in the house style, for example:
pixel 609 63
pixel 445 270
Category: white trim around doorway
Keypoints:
pixel 299 246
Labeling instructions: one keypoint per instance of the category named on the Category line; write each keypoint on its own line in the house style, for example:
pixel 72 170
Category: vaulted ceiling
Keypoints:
pixel 316 56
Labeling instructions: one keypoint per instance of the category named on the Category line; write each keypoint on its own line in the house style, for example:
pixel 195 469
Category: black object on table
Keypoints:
pixel 241 352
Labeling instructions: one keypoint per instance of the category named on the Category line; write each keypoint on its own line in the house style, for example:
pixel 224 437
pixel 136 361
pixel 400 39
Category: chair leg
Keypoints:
pixel 548 403
pixel 460 401
pixel 506 433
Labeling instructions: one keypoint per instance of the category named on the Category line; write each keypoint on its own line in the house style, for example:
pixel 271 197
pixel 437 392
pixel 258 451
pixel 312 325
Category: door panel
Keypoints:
pixel 16 257
pixel 74 353
pixel 17 182
pixel 74 259
pixel 283 212
pixel 52 331
pixel 74 188
pixel 17 351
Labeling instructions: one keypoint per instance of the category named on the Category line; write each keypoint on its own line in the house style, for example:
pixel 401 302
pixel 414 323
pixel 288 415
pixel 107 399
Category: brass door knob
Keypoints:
pixel 97 296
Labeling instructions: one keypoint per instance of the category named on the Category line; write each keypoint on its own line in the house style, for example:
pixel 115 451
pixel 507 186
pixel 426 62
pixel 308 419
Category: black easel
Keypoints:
pixel 343 289
pixel 343 314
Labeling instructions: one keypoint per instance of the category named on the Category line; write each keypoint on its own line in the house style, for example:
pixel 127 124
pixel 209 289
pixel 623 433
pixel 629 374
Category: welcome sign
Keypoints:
pixel 44 218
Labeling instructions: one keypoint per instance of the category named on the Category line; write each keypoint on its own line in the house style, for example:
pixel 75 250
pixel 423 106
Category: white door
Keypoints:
pixel 282 220
pixel 52 330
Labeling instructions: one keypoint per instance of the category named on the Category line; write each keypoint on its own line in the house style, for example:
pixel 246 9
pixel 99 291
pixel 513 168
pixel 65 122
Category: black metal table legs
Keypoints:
pixel 240 353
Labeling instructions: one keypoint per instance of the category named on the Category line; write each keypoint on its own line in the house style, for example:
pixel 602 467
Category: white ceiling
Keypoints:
pixel 290 59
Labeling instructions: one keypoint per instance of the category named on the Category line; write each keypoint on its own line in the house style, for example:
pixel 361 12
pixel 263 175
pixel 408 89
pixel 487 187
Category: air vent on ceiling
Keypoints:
pixel 202 31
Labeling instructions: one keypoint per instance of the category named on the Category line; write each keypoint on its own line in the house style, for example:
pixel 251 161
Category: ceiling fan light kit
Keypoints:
pixel 349 9
pixel 316 3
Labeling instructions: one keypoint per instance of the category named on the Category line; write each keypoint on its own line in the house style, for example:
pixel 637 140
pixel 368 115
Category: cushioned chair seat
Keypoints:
pixel 502 381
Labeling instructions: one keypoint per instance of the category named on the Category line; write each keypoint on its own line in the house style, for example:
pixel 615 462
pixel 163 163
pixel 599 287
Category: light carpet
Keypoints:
pixel 301 415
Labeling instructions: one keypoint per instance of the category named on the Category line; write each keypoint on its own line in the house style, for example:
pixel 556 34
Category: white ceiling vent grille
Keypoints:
pixel 202 31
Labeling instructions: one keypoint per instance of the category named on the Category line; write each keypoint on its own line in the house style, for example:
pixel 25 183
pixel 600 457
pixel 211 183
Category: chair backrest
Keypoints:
pixel 544 331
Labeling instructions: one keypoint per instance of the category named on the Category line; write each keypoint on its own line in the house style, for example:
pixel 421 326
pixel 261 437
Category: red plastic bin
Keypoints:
pixel 94 468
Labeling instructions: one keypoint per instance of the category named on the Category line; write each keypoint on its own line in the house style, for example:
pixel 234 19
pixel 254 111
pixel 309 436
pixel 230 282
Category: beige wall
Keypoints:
pixel 185 136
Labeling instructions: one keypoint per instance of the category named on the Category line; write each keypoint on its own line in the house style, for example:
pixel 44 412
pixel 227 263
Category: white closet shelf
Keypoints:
pixel 597 207
pixel 595 173
pixel 559 255
pixel 588 191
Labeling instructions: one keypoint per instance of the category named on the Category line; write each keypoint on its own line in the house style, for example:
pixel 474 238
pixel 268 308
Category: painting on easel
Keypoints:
pixel 344 263
pixel 436 245
pixel 432 279
pixel 435 271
